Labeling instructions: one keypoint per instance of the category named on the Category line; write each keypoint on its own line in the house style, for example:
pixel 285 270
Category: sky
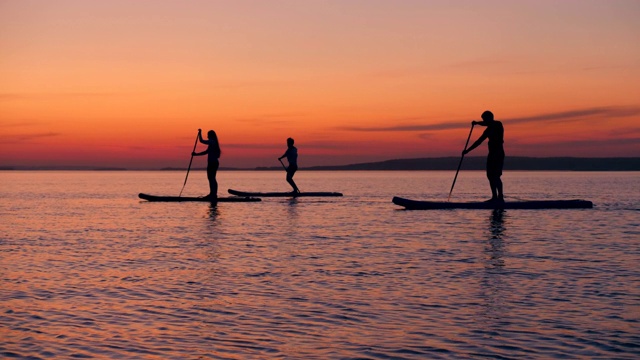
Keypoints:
pixel 119 83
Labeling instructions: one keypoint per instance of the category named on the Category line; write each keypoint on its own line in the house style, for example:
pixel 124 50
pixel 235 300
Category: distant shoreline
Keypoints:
pixel 513 163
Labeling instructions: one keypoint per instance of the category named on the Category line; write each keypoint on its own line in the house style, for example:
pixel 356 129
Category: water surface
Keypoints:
pixel 87 270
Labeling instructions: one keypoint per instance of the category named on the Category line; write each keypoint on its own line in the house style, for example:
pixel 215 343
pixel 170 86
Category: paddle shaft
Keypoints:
pixel 460 163
pixel 190 161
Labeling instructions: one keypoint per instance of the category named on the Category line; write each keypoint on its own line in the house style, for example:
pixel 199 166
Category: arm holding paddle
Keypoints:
pixel 482 138
pixel 200 153
pixel 284 155
pixel 195 144
pixel 206 142
pixel 473 123
pixel 193 153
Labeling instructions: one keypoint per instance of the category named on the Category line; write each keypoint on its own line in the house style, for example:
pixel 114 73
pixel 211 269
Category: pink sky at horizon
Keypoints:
pixel 127 84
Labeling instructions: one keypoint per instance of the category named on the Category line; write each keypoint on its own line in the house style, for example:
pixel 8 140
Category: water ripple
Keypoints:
pixel 111 277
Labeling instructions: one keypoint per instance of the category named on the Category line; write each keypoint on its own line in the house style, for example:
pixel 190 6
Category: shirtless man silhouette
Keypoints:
pixel 495 159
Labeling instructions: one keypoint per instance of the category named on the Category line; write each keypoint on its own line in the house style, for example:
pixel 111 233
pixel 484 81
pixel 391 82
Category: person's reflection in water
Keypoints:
pixel 291 226
pixel 209 247
pixel 213 212
pixel 494 287
pixel 496 245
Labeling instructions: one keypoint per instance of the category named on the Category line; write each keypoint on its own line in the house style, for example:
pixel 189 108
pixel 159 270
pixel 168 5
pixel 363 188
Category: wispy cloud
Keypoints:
pixel 272 119
pixel 10 96
pixel 627 131
pixel 411 127
pixel 331 145
pixel 579 114
pixel 523 66
pixel 407 126
pixel 621 66
pixel 426 136
pixel 582 142
pixel 251 146
pixel 479 63
pixel 12 139
pixel 29 96
pixel 249 84
pixel 564 116
pixel 283 146
pixel 264 121
pixel 16 124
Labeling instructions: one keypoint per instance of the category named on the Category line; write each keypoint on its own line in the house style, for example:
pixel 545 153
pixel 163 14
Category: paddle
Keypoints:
pixel 460 164
pixel 190 161
pixel 284 167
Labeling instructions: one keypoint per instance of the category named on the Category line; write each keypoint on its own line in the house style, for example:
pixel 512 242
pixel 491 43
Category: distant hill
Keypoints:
pixel 200 169
pixel 511 163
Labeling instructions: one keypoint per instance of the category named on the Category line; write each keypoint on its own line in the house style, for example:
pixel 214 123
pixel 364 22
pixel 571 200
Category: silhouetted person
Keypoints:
pixel 213 150
pixel 495 159
pixel 292 158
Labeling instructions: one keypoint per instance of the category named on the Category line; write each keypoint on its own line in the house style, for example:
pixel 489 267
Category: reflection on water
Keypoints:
pixel 494 288
pixel 213 211
pixel 495 241
pixel 88 270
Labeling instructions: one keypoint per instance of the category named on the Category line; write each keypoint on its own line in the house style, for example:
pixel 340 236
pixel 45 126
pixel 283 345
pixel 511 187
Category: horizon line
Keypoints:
pixel 355 166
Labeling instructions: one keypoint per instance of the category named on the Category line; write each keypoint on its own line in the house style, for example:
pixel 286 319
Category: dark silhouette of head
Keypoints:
pixel 289 142
pixel 487 116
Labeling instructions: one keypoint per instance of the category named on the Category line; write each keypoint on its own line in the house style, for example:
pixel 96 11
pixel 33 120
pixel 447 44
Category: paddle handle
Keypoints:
pixel 460 163
pixel 190 162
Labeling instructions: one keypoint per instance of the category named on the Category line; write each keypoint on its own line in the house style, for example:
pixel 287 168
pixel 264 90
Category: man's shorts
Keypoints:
pixel 495 162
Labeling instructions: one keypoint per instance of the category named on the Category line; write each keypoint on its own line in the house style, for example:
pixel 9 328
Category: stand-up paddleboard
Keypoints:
pixel 201 199
pixel 282 194
pixel 533 204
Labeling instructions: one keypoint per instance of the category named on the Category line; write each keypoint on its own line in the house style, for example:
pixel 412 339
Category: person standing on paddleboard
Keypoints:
pixel 292 157
pixel 213 150
pixel 495 159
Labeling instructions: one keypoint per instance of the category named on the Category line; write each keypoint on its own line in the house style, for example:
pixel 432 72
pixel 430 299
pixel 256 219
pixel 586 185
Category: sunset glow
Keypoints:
pixel 128 83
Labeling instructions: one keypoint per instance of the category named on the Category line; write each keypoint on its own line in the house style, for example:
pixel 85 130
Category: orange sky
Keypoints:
pixel 128 83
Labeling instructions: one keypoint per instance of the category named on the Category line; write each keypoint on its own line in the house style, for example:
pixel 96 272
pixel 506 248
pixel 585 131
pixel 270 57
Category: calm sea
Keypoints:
pixel 87 270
